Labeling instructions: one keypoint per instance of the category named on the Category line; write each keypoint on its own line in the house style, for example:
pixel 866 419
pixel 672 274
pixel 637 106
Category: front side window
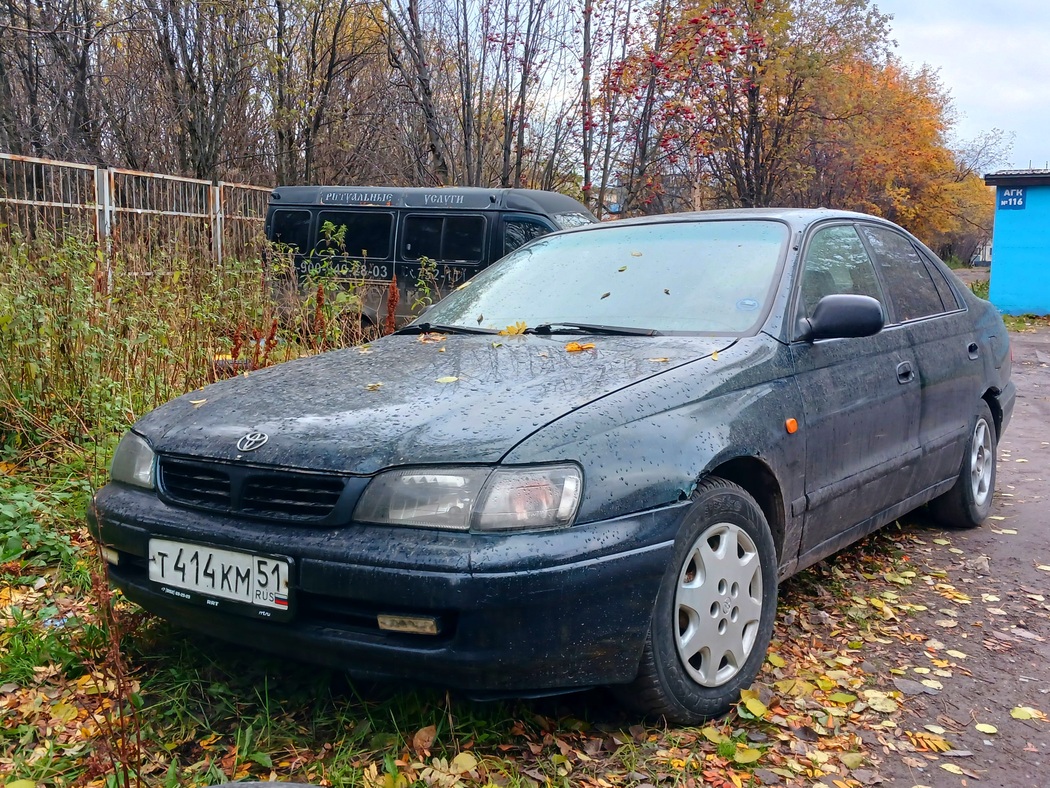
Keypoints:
pixel 519 231
pixel 836 262
pixel 570 219
pixel 910 287
pixel 447 239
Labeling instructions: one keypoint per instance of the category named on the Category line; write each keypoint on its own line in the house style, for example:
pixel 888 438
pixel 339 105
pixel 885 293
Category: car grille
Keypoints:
pixel 272 495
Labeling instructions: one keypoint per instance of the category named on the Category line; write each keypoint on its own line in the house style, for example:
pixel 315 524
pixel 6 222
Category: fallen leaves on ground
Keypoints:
pixel 840 692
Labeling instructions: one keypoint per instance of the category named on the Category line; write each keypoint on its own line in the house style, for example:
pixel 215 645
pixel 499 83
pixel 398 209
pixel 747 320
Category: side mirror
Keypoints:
pixel 841 316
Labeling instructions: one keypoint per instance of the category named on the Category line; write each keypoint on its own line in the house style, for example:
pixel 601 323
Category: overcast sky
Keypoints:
pixel 994 58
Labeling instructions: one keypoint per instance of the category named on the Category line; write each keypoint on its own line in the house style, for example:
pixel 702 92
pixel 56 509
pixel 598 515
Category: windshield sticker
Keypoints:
pixel 747 304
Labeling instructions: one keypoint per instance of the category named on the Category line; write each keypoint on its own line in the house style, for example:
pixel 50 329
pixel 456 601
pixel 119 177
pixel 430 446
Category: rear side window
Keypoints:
pixel 364 234
pixel 910 286
pixel 449 239
pixel 291 229
pixel 945 291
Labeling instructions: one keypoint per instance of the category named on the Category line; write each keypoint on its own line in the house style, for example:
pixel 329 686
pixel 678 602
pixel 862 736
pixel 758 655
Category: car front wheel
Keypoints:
pixel 969 501
pixel 714 613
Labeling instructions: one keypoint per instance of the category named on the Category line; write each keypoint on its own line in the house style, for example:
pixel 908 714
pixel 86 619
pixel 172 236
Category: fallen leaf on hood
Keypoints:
pixel 431 337
pixel 197 402
pixel 576 347
pixel 373 386
pixel 661 359
pixel 448 379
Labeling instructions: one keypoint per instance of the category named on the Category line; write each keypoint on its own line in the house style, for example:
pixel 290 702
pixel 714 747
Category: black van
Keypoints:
pixel 376 233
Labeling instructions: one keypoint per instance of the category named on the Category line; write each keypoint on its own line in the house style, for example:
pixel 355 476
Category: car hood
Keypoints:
pixel 408 401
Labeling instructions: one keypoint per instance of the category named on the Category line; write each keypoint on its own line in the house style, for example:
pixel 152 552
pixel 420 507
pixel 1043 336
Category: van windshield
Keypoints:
pixel 712 276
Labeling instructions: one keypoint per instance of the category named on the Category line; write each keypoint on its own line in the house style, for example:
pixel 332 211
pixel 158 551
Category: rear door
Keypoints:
pixel 947 350
pixel 860 398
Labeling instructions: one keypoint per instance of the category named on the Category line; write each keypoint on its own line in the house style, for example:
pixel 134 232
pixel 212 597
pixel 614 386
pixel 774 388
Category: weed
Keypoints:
pixel 980 288
pixel 426 289
pixel 1025 322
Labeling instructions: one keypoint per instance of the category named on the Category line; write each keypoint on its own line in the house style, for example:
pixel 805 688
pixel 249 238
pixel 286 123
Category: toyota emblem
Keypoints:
pixel 252 441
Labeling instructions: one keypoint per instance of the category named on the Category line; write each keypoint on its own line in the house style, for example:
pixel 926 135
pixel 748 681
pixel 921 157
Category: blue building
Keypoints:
pixel 1021 241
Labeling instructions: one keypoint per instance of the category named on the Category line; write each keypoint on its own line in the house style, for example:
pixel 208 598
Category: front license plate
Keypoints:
pixel 214 573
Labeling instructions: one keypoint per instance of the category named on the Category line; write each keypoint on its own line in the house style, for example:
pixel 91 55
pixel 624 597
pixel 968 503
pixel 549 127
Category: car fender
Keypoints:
pixel 649 444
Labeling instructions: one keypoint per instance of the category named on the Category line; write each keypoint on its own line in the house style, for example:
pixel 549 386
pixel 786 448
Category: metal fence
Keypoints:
pixel 131 214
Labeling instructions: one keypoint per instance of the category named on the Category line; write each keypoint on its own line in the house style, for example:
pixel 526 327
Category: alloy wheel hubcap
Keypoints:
pixel 981 460
pixel 718 604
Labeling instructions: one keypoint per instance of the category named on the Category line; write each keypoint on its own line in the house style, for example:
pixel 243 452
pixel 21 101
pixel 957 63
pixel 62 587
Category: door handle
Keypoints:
pixel 905 373
pixel 973 350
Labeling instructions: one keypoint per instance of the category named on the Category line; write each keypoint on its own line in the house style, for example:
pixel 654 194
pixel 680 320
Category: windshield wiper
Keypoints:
pixel 438 328
pixel 559 327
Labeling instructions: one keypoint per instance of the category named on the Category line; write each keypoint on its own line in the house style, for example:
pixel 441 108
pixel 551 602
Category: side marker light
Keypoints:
pixel 791 426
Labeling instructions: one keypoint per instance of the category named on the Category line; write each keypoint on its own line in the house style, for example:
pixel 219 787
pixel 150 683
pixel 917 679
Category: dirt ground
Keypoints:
pixel 1002 626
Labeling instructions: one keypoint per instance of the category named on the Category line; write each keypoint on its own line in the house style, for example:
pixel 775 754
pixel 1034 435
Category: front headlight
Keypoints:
pixel 133 462
pixel 479 499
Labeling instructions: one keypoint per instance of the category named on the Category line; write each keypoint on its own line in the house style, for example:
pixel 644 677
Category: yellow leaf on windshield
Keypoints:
pixel 514 330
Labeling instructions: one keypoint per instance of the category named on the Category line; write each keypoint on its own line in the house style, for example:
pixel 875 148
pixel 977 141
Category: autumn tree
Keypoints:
pixel 491 82
pixel 49 93
pixel 876 142
pixel 319 54
pixel 761 95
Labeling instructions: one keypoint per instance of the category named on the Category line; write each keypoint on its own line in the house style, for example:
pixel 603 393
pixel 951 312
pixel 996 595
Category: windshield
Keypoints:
pixel 694 277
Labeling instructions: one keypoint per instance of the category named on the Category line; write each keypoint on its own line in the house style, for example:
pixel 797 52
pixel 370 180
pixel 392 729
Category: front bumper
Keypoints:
pixel 518 613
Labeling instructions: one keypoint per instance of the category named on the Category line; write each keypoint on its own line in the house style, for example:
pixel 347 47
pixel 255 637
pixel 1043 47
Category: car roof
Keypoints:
pixel 797 218
pixel 444 197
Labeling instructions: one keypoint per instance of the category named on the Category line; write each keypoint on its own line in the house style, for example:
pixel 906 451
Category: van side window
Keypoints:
pixel 291 229
pixel 367 233
pixel 458 239
pixel 518 232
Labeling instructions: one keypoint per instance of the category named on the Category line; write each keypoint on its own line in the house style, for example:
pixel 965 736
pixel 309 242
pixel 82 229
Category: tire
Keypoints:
pixel 714 613
pixel 969 501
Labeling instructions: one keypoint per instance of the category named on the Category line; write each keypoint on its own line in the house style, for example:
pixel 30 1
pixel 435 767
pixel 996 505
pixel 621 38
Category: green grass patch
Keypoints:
pixel 1021 323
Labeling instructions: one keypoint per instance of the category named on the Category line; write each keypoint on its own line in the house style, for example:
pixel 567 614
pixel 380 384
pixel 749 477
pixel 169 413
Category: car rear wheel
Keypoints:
pixel 714 612
pixel 968 502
